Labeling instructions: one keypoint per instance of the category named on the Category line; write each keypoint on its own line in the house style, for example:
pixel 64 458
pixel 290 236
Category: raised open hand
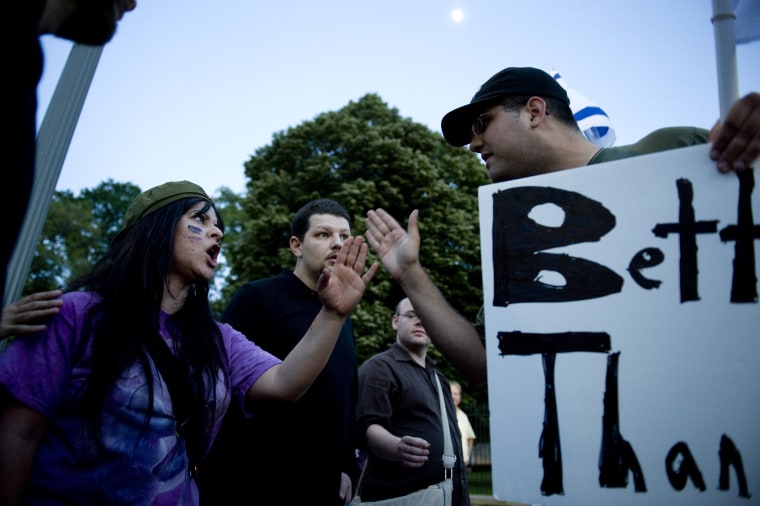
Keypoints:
pixel 342 285
pixel 398 249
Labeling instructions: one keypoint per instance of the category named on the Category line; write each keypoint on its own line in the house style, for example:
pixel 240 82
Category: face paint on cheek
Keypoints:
pixel 194 229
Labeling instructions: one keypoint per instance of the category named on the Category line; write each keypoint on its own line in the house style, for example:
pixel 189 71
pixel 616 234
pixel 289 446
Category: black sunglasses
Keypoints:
pixel 480 123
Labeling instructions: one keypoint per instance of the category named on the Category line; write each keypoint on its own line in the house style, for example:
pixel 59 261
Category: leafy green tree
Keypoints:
pixel 364 156
pixel 230 206
pixel 109 202
pixel 77 232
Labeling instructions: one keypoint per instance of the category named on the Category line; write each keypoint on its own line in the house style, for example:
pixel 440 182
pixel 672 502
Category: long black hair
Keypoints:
pixel 130 279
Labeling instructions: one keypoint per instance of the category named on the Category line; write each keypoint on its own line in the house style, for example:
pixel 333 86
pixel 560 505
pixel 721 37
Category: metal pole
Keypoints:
pixel 723 21
pixel 53 139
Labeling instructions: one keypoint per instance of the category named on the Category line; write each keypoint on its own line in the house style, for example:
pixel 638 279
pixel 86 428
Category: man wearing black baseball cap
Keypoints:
pixel 510 82
pixel 520 123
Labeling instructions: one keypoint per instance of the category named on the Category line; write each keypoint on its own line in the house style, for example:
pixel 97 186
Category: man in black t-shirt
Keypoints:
pixel 303 452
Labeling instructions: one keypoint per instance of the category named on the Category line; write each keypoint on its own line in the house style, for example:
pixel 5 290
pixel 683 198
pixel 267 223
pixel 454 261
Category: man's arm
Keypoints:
pixel 21 430
pixel 345 492
pixel 452 334
pixel 409 451
pixel 736 141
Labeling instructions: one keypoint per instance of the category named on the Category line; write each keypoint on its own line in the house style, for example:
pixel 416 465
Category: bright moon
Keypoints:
pixel 457 15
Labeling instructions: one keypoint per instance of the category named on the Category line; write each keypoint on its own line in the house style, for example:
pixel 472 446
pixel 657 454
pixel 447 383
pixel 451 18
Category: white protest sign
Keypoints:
pixel 623 333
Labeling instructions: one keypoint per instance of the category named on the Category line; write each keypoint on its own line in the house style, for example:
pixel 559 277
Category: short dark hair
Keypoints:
pixel 300 223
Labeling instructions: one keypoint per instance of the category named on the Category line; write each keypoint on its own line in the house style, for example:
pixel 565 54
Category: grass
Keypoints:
pixel 479 480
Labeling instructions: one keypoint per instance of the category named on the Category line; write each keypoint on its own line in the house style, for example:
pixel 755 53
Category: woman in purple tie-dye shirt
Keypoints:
pixel 85 414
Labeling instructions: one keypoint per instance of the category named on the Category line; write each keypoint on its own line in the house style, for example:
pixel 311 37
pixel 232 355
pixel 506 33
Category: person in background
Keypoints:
pixel 463 422
pixel 303 452
pixel 520 123
pixel 24 21
pixel 90 408
pixel 399 417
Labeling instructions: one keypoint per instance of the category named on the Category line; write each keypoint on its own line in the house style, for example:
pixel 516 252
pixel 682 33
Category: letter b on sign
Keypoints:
pixel 518 242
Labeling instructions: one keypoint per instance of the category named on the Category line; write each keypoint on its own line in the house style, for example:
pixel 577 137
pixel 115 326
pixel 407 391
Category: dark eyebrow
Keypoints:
pixel 323 228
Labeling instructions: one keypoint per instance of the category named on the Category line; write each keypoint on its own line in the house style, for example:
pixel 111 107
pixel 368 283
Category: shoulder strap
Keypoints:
pixel 186 426
pixel 361 476
pixel 449 457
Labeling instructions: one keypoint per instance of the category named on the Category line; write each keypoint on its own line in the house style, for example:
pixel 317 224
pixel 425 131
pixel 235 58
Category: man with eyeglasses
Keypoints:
pixel 399 417
pixel 520 123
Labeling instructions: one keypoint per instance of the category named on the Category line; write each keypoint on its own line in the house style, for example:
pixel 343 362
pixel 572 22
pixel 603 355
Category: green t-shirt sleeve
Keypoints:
pixel 659 140
pixel 671 138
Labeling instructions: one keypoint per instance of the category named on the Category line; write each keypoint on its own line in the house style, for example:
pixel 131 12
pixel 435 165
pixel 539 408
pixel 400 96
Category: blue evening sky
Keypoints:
pixel 189 90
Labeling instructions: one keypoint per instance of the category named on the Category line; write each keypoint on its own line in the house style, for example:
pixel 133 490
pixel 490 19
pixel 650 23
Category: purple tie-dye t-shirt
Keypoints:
pixel 47 372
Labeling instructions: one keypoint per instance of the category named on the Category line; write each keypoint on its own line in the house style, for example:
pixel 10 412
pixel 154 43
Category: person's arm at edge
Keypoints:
pixel 345 491
pixel 736 140
pixel 21 429
pixel 24 315
pixel 452 334
pixel 340 289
